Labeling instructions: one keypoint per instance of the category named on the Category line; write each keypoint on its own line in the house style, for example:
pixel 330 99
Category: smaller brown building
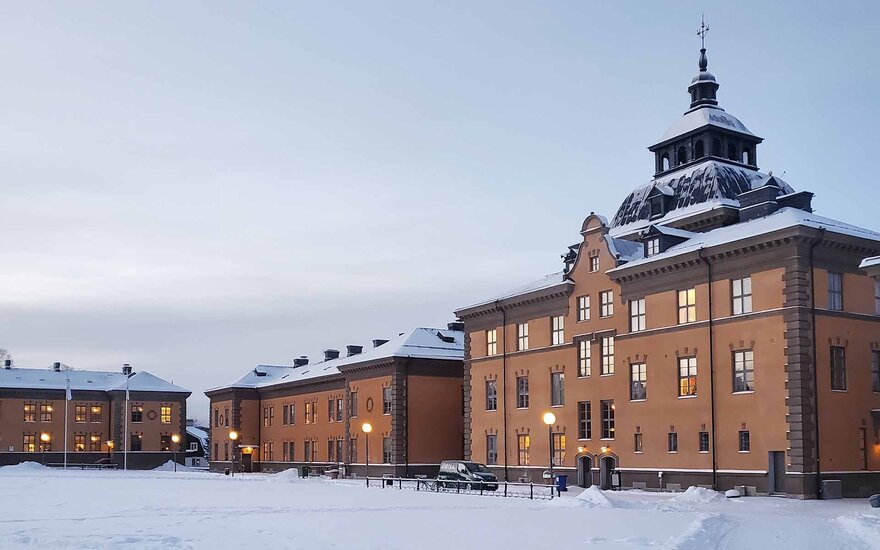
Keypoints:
pixel 32 417
pixel 408 389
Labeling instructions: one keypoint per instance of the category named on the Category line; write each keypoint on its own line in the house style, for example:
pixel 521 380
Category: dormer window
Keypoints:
pixel 656 206
pixel 716 147
pixel 652 246
pixel 664 162
pixel 682 155
pixel 746 157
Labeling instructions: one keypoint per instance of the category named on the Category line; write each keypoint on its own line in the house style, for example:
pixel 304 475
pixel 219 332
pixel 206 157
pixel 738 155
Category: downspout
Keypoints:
pixel 503 382
pixel 711 372
pixel 406 416
pixel 815 364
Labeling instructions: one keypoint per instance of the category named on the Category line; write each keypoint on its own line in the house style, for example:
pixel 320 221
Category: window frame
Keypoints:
pixel 744 367
pixel 163 415
pixel 687 305
pixel 491 449
pixel 741 297
pixel 838 368
pixel 637 315
pixel 606 407
pixel 79 413
pixel 585 358
pixel 557 330
pixel 559 443
pixel 557 389
pixel 652 246
pixel 638 381
pixel 387 405
pixel 607 343
pixel 583 308
pixel 672 442
pixel 492 395
pixel 606 304
pixel 522 450
pixel 594 263
pixel 522 392
pixel 522 336
pixel 585 420
pixel 835 291
pixel 688 389
pixel 744 440
pixel 701 436
pixel 492 342
pixel 638 443
pixel 875 371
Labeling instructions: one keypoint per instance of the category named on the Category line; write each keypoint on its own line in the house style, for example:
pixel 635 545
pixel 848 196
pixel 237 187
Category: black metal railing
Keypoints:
pixel 503 489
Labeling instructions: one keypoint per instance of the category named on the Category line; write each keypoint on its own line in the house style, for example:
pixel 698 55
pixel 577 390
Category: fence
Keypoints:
pixel 503 489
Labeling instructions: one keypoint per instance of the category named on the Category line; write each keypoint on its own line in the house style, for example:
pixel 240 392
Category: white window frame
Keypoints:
pixel 652 246
pixel 638 378
pixel 607 355
pixel 594 264
pixel 741 292
pixel 522 336
pixel 583 303
pixel 687 305
pixel 585 361
pixel 637 318
pixel 492 342
pixel 606 300
pixel 557 330
pixel 557 389
pixel 835 291
pixel 743 371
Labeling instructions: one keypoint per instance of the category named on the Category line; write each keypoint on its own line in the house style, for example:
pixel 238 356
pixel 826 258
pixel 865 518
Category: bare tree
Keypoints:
pixel 4 355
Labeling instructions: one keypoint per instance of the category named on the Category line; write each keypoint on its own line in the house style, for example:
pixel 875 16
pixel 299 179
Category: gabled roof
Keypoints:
pixel 422 343
pixel 547 281
pixel 48 379
pixel 668 231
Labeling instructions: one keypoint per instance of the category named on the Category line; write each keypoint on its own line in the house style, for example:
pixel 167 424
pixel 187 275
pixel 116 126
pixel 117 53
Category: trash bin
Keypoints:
pixel 562 482
pixel 226 471
pixel 305 471
pixel 832 489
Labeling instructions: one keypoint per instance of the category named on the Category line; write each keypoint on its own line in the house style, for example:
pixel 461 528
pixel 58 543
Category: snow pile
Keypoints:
pixel 169 467
pixel 593 497
pixel 863 528
pixel 290 474
pixel 23 466
pixel 697 494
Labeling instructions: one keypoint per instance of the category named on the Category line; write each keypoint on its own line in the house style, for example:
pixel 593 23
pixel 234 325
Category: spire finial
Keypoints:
pixel 704 29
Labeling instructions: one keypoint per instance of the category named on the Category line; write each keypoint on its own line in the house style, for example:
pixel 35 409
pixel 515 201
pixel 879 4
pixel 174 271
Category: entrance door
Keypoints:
pixel 246 462
pixel 585 471
pixel 606 466
pixel 777 471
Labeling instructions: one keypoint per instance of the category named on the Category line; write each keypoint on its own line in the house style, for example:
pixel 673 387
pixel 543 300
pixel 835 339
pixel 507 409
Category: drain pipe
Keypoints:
pixel 711 372
pixel 503 381
pixel 815 365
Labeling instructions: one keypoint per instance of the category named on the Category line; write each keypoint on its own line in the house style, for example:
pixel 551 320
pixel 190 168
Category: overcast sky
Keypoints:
pixel 195 188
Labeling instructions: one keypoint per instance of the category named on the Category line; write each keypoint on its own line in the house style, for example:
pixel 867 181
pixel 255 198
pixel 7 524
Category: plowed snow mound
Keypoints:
pixel 593 497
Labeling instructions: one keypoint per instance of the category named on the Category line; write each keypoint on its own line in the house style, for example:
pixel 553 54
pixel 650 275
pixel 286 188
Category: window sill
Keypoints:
pixel 638 452
pixel 582 320
pixel 638 400
pixel 557 406
pixel 744 392
pixel 491 410
pixel 839 391
pixel 587 439
pixel 522 408
pixel 672 452
pixel 687 396
pixel 606 439
pixel 744 452
pixel 703 452
pixel 604 375
pixel 583 377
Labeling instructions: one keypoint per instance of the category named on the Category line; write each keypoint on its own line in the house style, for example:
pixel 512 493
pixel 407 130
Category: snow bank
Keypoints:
pixel 290 474
pixel 864 528
pixel 23 466
pixel 593 497
pixel 169 467
pixel 698 494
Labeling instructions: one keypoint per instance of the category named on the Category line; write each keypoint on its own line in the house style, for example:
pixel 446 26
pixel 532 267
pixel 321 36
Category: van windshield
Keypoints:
pixel 474 467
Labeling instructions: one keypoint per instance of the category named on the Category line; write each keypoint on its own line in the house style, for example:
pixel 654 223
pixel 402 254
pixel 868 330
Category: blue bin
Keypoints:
pixel 562 482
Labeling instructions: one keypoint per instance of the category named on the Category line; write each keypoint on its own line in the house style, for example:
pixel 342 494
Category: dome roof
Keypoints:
pixel 706 115
pixel 704 76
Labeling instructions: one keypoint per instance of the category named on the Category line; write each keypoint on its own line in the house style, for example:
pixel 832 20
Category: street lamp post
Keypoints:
pixel 367 428
pixel 110 450
pixel 176 440
pixel 233 436
pixel 45 438
pixel 550 419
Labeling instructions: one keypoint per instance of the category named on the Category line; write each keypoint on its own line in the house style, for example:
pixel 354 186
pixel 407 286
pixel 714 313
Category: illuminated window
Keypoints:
pixel 30 412
pixel 339 409
pixel 607 407
pixel 522 449
pixel 637 315
pixel 137 413
pixel 96 413
pixel 584 360
pixel 331 409
pixel 30 443
pixel 607 355
pixel 315 416
pixel 292 418
pixel 687 376
pixel 743 371
pixel 165 414
pixel 606 300
pixel 557 330
pixel 46 413
pixel 386 400
pixel 95 442
pixel 638 388
pixel 522 336
pixel 687 306
pixel 583 304
pixel 79 443
pixel 79 414
pixel 491 342
pixel 308 412
pixel 558 449
pixel 742 295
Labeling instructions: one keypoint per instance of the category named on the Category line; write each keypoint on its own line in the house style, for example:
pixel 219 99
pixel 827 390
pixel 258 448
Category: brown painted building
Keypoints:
pixel 32 417
pixel 716 332
pixel 409 389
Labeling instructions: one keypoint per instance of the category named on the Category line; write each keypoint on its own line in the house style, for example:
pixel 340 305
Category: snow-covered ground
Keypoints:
pixel 48 508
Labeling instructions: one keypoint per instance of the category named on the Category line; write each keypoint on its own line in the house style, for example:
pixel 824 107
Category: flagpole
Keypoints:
pixel 67 398
pixel 125 420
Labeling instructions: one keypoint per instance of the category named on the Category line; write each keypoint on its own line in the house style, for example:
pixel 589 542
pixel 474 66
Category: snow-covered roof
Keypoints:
pixel 422 343
pixel 625 250
pixel 781 219
pixel 698 188
pixel 49 379
pixel 870 262
pixel 199 434
pixel 706 115
pixel 546 281
pixel 671 231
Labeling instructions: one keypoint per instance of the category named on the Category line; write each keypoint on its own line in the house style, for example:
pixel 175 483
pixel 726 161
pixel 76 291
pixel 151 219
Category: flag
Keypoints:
pixel 69 394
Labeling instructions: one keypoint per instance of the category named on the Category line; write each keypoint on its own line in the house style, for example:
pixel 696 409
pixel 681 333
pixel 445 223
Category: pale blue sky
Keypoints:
pixel 195 188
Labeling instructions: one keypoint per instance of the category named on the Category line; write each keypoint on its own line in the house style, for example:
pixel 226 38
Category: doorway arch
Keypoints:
pixel 607 465
pixel 585 470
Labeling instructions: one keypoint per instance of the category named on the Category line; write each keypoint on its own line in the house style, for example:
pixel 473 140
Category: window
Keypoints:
pixel 672 442
pixel 285 451
pixel 79 443
pixel 835 291
pixel 557 389
pixel 339 409
pixel 226 416
pixel 742 295
pixel 491 342
pixel 315 420
pixel 638 381
pixel 30 443
pixel 95 443
pixel 716 147
pixel 216 418
pixel 607 407
pixel 193 446
pixel 594 263
pixel 491 395
pixel 386 450
pixel 353 403
pixel 265 417
pixel 522 449
pixel 606 300
pixel 682 155
pixel 838 368
pixel 877 297
pixel 875 371
pixel 557 330
pixel 137 441
pixel 292 418
pixel 225 450
pixel 664 162
pixel 558 449
pixel 637 315
pixel 164 442
pixel 585 421
pixel 607 355
pixel 340 446
pixel 45 413
pixel 165 414
pixel 96 413
pixel 307 451
pixel 637 443
pixel 137 413
pixel 704 442
pixel 731 151
pixel 492 449
pixel 583 308
pixel 285 415
pixel 699 149
pixel 687 376
pixel 687 306
pixel 522 392
pixel 743 371
pixel 79 414
pixel 331 409
pixel 30 412
pixel 522 336
pixel 584 361
pixel 744 444
pixel 652 246
pixel 271 416
pixel 331 450
pixel 308 412
pixel 386 400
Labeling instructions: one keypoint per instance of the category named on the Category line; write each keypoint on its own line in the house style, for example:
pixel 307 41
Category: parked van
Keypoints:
pixel 475 474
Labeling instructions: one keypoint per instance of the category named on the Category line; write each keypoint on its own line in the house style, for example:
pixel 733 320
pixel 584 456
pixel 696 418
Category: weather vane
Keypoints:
pixel 704 28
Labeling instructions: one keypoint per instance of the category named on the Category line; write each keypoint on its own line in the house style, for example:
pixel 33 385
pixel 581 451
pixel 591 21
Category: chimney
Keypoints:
pixel 759 202
pixel 330 354
pixel 456 326
pixel 126 369
pixel 353 350
pixel 378 342
pixel 7 364
pixel 301 361
pixel 56 366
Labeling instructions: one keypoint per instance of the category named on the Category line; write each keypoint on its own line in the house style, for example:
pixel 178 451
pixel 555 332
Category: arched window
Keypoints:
pixel 682 155
pixel 731 151
pixel 747 156
pixel 716 147
pixel 699 149
pixel 664 162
